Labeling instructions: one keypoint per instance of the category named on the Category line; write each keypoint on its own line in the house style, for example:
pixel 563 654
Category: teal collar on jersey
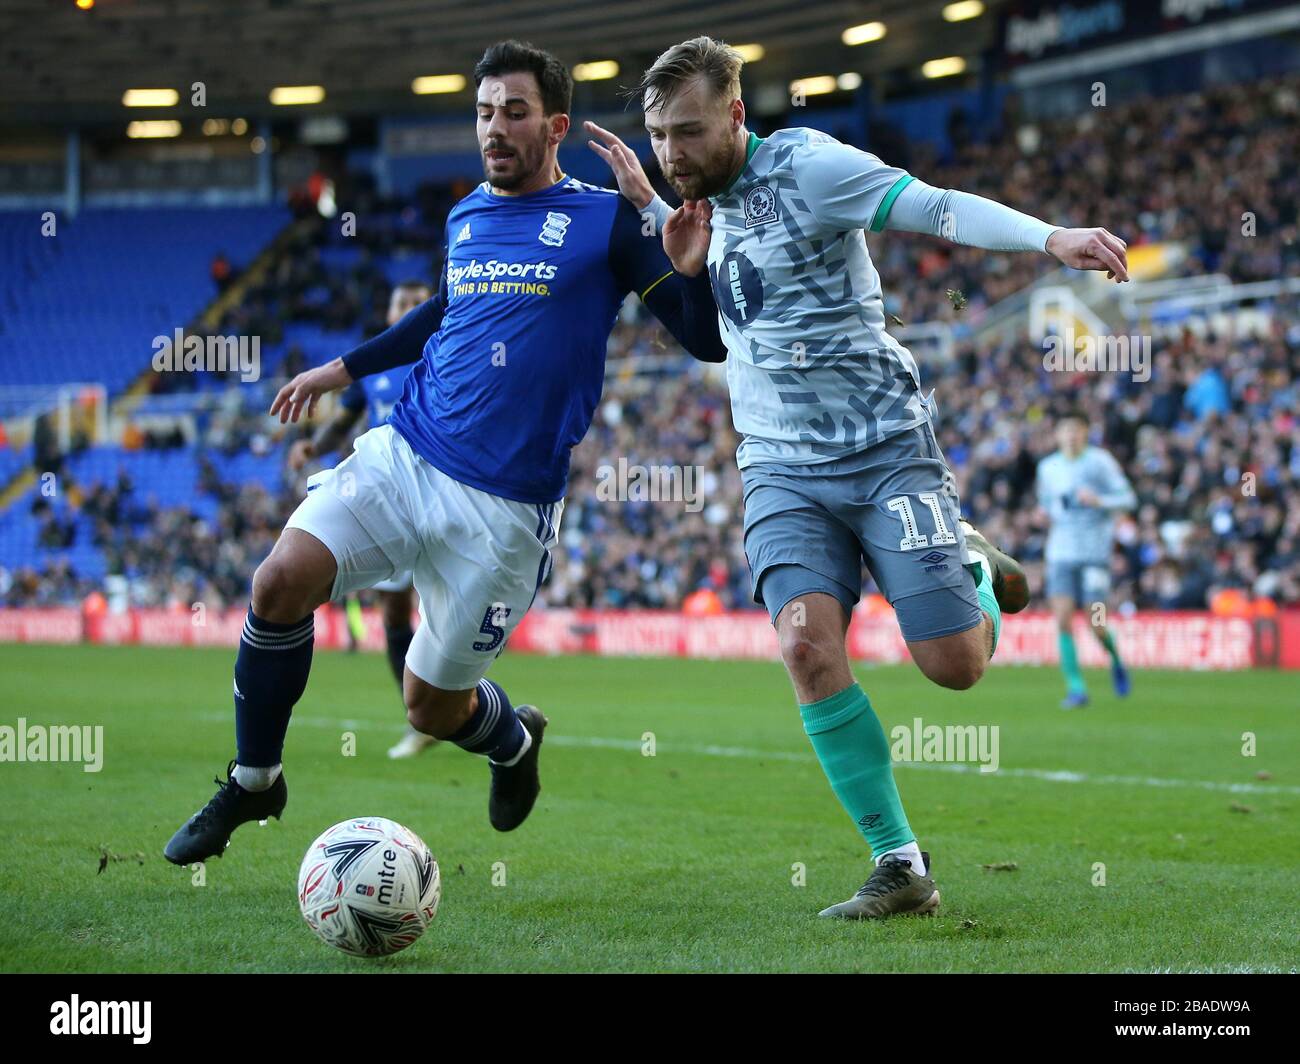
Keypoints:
pixel 754 141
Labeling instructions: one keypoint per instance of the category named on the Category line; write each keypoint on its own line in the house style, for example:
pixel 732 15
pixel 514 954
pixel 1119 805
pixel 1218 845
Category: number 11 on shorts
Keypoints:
pixel 913 538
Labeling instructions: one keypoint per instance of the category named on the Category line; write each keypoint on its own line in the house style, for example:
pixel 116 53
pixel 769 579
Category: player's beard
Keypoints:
pixel 528 159
pixel 708 177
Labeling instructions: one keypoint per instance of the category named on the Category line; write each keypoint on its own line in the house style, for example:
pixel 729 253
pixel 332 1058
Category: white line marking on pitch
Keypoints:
pixel 1049 775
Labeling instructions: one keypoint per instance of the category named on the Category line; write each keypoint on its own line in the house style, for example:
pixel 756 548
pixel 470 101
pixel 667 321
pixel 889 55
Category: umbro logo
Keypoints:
pixel 869 820
pixel 463 234
pixel 934 557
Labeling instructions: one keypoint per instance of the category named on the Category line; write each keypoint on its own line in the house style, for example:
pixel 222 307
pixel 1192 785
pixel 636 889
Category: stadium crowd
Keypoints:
pixel 1218 173
pixel 1211 442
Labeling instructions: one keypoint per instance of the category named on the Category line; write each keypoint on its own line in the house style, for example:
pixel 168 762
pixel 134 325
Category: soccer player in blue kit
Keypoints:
pixel 373 398
pixel 464 484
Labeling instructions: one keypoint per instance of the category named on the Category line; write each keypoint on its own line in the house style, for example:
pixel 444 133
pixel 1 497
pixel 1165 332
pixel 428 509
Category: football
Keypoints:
pixel 368 886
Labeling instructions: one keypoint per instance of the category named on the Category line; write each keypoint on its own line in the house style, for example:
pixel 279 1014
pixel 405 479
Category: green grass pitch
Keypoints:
pixel 683 861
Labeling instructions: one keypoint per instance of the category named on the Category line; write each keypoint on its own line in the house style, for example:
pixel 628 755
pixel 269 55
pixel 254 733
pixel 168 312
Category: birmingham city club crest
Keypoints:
pixel 554 228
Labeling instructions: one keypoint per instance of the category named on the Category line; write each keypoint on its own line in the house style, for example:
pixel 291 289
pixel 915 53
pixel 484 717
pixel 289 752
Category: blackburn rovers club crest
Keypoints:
pixel 554 228
pixel 760 206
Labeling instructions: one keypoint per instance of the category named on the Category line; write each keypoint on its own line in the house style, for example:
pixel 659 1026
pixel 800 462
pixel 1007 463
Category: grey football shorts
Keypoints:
pixel 1083 582
pixel 809 529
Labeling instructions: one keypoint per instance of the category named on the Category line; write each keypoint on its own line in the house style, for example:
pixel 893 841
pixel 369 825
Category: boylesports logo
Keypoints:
pixel 494 269
pixel 760 206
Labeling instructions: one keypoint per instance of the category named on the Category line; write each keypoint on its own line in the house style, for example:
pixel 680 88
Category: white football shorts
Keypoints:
pixel 401 582
pixel 477 560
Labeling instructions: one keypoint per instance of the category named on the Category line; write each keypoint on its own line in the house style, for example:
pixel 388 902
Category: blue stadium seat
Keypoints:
pixel 86 303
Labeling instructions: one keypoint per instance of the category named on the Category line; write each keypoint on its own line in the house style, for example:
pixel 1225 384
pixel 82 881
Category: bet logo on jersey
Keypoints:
pixel 760 206
pixel 737 288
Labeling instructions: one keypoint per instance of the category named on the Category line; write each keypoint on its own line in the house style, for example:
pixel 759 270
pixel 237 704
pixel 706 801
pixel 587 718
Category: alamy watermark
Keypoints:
pixel 1099 354
pixel 654 483
pixel 179 353
pixel 944 744
pixel 53 742
pixel 79 1017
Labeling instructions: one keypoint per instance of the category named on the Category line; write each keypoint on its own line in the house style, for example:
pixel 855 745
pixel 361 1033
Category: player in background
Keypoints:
pixel 464 484
pixel 1081 488
pixel 375 397
pixel 838 457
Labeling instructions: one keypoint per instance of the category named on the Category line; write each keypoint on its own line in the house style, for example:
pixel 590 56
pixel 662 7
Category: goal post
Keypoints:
pixel 77 408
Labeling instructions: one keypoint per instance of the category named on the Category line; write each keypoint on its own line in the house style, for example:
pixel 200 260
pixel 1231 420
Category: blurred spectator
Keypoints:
pixel 1211 442
pixel 222 272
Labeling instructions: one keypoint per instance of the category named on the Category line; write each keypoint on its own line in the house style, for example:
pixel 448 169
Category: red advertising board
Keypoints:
pixel 1182 640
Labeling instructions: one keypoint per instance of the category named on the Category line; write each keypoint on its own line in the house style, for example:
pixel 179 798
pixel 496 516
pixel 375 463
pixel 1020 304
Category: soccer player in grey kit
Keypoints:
pixel 1081 488
pixel 838 456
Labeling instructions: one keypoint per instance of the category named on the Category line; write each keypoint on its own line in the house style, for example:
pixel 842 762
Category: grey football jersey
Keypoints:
pixel 1082 533
pixel 813 375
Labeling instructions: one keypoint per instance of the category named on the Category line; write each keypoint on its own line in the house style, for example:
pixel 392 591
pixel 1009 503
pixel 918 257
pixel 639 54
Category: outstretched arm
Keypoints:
pixel 398 345
pixel 851 189
pixel 965 218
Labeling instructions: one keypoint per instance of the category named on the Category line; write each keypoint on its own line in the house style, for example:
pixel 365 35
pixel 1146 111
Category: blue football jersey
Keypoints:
pixel 530 290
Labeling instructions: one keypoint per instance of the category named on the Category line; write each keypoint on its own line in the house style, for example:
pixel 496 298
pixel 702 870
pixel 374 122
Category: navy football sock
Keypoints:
pixel 399 641
pixel 270 676
pixel 494 729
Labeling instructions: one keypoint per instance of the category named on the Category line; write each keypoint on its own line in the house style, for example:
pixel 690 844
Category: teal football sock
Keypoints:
pixel 1070 663
pixel 988 600
pixel 854 753
pixel 1112 648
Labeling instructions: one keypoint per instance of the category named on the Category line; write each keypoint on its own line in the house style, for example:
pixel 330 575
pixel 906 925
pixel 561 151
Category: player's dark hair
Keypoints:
pixel 701 57
pixel 1074 413
pixel 412 282
pixel 520 57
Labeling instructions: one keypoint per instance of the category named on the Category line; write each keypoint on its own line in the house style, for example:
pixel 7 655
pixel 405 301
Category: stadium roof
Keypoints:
pixel 60 63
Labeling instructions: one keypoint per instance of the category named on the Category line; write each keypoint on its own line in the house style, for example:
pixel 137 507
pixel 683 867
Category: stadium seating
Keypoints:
pixel 86 303
pixel 158 487
pixel 1216 407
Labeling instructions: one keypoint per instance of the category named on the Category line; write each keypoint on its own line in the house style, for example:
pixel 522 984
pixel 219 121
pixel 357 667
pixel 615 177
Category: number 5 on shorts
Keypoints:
pixel 489 627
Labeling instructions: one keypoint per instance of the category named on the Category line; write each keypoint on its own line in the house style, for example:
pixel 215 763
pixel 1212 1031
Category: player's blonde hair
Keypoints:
pixel 716 62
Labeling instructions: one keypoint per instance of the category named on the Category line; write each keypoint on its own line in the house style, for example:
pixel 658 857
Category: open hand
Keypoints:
pixel 687 233
pixel 632 181
pixel 306 389
pixel 1090 249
